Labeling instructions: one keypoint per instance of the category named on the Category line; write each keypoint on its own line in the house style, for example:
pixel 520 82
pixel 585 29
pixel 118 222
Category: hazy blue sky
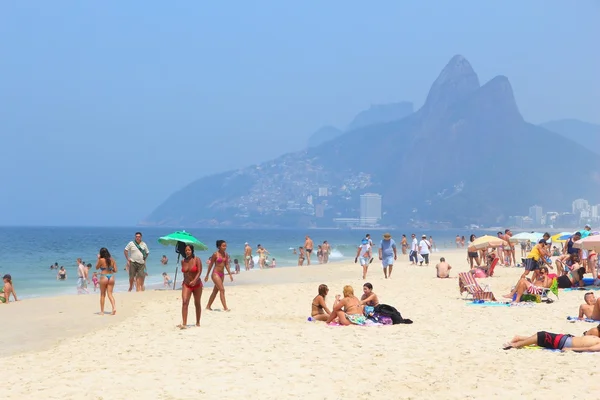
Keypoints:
pixel 102 102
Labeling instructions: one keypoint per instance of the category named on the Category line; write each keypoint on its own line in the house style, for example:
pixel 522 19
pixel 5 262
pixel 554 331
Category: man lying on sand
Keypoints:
pixel 555 341
pixel 586 310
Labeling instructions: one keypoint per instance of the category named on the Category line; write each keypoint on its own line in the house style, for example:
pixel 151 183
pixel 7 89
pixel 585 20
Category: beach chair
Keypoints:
pixel 490 271
pixel 468 284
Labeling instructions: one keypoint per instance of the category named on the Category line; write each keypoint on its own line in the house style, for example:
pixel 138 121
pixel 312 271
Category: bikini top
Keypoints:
pixel 194 268
pixel 220 259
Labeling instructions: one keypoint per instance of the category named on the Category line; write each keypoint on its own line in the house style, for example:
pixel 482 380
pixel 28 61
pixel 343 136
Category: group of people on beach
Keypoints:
pixel 347 310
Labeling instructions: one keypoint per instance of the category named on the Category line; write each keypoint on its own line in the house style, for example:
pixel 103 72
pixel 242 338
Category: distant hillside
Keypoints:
pixel 466 156
pixel 381 113
pixel 581 132
pixel 376 114
pixel 323 135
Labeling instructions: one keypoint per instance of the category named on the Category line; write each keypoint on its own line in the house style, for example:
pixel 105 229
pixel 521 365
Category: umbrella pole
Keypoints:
pixel 175 279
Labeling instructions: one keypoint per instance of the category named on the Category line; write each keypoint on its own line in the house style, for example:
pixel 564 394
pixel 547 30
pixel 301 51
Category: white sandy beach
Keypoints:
pixel 59 348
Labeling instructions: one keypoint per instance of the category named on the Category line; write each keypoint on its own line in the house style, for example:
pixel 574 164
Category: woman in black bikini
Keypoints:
pixel 191 267
pixel 369 298
pixel 472 252
pixel 107 266
pixel 320 312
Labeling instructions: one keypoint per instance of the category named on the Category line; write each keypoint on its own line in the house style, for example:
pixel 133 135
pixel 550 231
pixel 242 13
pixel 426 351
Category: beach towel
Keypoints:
pixel 367 323
pixel 488 303
pixel 575 319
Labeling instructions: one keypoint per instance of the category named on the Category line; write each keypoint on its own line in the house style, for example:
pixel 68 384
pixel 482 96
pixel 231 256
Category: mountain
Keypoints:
pixel 375 114
pixel 323 135
pixel 466 156
pixel 584 133
pixel 381 113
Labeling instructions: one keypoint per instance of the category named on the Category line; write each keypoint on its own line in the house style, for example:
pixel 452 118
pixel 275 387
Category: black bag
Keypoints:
pixel 180 250
pixel 389 311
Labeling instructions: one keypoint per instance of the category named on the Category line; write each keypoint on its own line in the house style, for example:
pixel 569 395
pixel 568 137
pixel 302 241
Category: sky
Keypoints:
pixel 106 108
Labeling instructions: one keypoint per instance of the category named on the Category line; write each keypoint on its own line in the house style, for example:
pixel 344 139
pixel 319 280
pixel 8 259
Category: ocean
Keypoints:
pixel 27 252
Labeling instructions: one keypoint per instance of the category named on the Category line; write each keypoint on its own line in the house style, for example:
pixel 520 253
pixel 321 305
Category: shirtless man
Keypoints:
pixel 443 269
pixel 586 310
pixel 262 255
pixel 326 249
pixel 510 248
pixel 308 246
pixel 247 255
pixel 595 310
pixel 555 341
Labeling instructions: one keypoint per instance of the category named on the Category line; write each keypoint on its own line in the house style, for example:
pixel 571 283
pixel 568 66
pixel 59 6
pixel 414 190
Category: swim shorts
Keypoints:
pixel 555 341
pixel 531 265
pixel 364 261
pixel 387 261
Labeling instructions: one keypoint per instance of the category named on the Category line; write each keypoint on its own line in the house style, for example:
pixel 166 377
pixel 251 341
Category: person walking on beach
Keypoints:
pixel 191 267
pixel 247 255
pixel 220 260
pixel 404 244
pixel 387 254
pixel 82 277
pixel 300 256
pixel 108 267
pixel 308 246
pixel 363 253
pixel 7 289
pixel 424 249
pixel 136 252
pixel 414 250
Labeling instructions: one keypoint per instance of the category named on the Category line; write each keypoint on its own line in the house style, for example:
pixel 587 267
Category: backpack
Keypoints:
pixel 385 310
pixel 180 250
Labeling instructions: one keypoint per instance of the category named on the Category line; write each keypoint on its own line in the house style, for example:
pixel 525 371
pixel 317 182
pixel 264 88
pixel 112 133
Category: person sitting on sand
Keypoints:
pixel 573 277
pixel 443 268
pixel 319 311
pixel 525 286
pixel 587 309
pixel 369 298
pixel 347 310
pixel 167 281
pixel 556 341
pixel 7 289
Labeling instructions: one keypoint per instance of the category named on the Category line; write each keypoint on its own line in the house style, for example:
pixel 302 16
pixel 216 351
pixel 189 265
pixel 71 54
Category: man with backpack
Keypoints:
pixel 136 252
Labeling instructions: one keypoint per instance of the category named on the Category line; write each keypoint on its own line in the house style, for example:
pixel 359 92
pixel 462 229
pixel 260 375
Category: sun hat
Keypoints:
pixel 387 235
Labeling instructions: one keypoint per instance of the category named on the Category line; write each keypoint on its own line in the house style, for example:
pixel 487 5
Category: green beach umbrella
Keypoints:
pixel 184 237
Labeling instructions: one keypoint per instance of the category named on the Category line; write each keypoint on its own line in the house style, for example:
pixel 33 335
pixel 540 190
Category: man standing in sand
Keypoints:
pixel 510 247
pixel 136 252
pixel 387 254
pixel 443 268
pixel 247 255
pixel 82 277
pixel 424 249
pixel 326 248
pixel 414 250
pixel 308 246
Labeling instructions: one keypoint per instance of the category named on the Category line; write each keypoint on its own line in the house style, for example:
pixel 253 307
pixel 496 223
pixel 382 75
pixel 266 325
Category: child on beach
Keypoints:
pixel 236 264
pixel 167 281
pixel 273 264
pixel 95 280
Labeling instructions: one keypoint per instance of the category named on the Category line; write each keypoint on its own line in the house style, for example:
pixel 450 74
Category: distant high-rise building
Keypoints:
pixel 370 208
pixel 580 205
pixel 309 199
pixel 323 192
pixel 535 213
pixel 595 210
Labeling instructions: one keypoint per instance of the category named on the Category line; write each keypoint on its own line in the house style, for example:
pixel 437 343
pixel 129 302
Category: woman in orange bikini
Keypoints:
pixel 191 266
pixel 220 260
